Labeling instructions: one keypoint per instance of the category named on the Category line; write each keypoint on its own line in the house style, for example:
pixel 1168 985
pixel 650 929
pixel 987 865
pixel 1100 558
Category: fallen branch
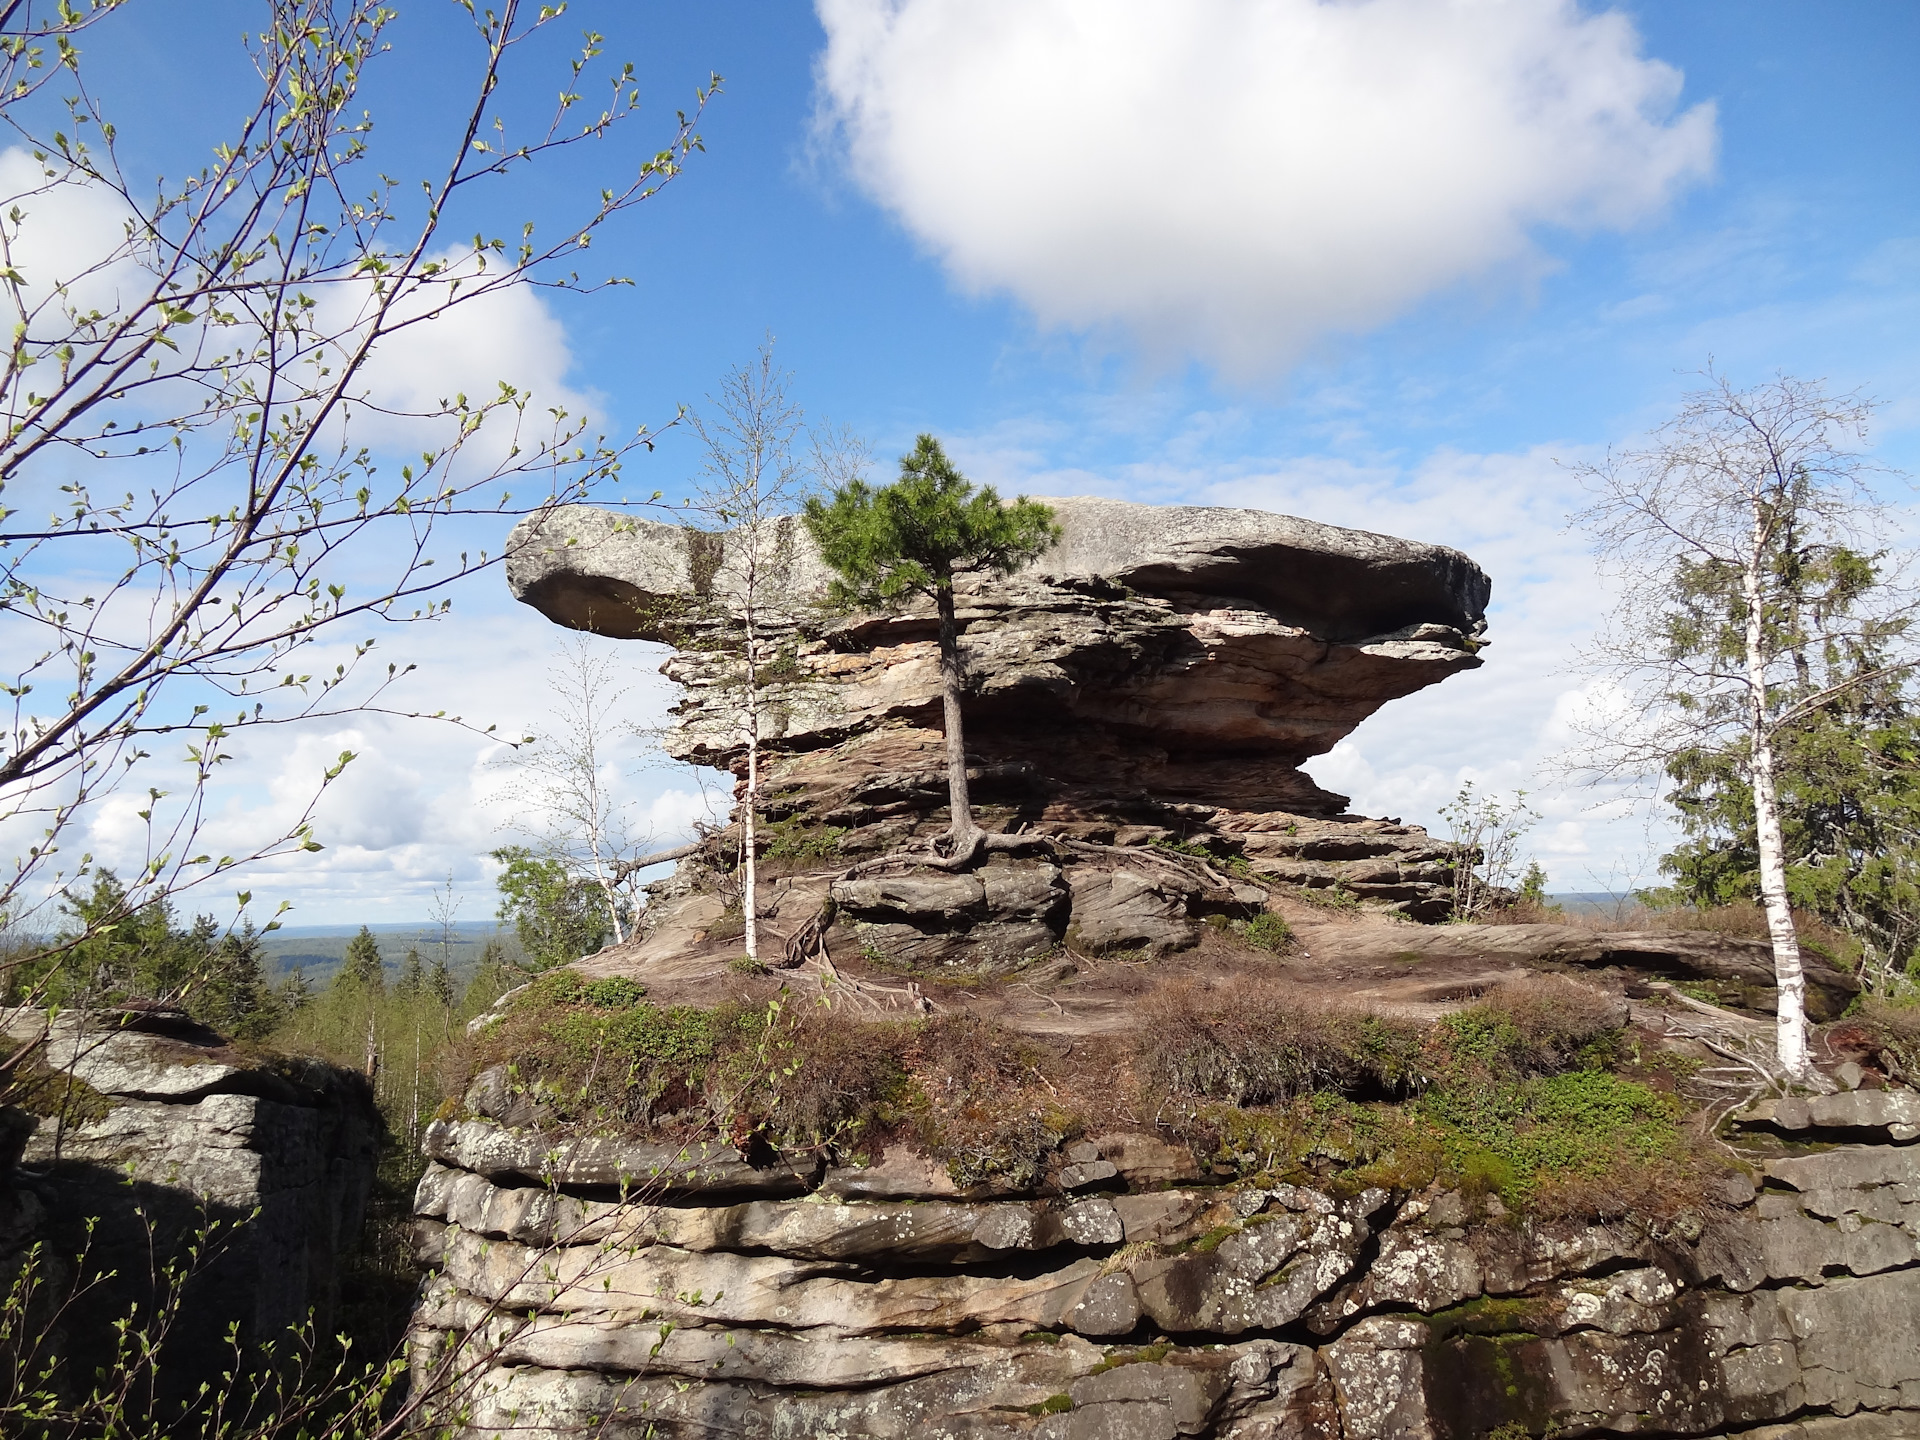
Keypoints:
pixel 624 868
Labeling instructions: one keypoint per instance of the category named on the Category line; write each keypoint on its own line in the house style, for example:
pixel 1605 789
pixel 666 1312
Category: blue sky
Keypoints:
pixel 1261 252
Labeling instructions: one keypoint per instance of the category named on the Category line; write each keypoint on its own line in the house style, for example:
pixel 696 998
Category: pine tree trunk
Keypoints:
pixel 1789 975
pixel 962 828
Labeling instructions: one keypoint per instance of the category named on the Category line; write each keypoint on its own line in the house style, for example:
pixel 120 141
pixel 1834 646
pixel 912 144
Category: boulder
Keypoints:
pixel 992 920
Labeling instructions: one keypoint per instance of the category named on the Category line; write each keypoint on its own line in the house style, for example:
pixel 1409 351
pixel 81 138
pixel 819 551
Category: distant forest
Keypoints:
pixel 317 950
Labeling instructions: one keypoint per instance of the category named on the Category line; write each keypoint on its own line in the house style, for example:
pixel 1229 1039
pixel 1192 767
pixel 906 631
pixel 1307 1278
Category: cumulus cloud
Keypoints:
pixel 505 335
pixel 71 245
pixel 1234 179
pixel 422 800
pixel 70 236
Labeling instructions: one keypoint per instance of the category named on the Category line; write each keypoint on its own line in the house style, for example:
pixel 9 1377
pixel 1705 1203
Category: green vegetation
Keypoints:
pixel 1484 852
pixel 796 839
pixel 110 951
pixel 1516 1095
pixel 1329 897
pixel 1145 1355
pixel 557 915
pixel 1268 931
pixel 598 1054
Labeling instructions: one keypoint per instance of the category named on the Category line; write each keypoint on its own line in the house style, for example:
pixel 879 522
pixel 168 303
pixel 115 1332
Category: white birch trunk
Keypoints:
pixel 750 891
pixel 1789 975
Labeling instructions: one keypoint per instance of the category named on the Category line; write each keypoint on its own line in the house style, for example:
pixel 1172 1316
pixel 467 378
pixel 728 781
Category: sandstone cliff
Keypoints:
pixel 151 1127
pixel 1161 674
pixel 1164 1121
pixel 1136 1295
pixel 1191 652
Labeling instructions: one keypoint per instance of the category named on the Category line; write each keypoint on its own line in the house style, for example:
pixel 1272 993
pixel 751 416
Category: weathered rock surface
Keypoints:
pixel 1188 632
pixel 1161 674
pixel 1742 967
pixel 147 1111
pixel 1792 1313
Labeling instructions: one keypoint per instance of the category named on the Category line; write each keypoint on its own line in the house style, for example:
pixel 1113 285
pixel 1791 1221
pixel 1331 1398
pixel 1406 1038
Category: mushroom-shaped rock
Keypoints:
pixel 1194 653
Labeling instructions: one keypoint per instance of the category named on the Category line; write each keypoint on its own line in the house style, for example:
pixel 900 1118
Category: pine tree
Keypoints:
pixel 911 538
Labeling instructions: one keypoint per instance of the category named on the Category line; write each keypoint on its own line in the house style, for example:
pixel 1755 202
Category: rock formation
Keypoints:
pixel 1161 674
pixel 1141 702
pixel 151 1126
pixel 1133 1294
pixel 1183 652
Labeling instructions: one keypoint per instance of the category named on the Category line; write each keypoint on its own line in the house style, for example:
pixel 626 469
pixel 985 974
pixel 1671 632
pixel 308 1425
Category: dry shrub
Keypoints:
pixel 1255 1041
pixel 983 1105
pixel 1637 1187
pixel 831 1079
pixel 1889 1034
pixel 1536 1025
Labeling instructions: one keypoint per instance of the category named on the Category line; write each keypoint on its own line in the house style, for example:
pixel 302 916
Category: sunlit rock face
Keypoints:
pixel 1190 653
pixel 1138 1291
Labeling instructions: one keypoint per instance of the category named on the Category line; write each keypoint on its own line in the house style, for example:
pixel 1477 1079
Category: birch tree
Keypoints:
pixel 1709 532
pixel 751 482
pixel 196 431
pixel 564 785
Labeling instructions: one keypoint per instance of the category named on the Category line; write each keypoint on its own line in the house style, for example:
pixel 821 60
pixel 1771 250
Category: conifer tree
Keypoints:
pixel 912 538
pixel 363 969
pixel 413 975
pixel 234 997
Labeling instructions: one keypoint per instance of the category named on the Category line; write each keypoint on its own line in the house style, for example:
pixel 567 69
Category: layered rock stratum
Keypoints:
pixel 1134 1295
pixel 252 1174
pixel 1164 671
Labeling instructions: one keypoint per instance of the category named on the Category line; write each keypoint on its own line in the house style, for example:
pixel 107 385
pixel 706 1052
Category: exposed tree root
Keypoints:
pixel 1753 1070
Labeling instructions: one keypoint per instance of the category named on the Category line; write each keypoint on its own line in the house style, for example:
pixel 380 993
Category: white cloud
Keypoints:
pixel 421 799
pixel 503 335
pixel 1234 179
pixel 70 235
pixel 74 235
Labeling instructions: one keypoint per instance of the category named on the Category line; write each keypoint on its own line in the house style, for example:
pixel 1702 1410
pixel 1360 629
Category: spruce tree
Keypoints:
pixel 911 538
pixel 413 975
pixel 363 969
pixel 234 998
